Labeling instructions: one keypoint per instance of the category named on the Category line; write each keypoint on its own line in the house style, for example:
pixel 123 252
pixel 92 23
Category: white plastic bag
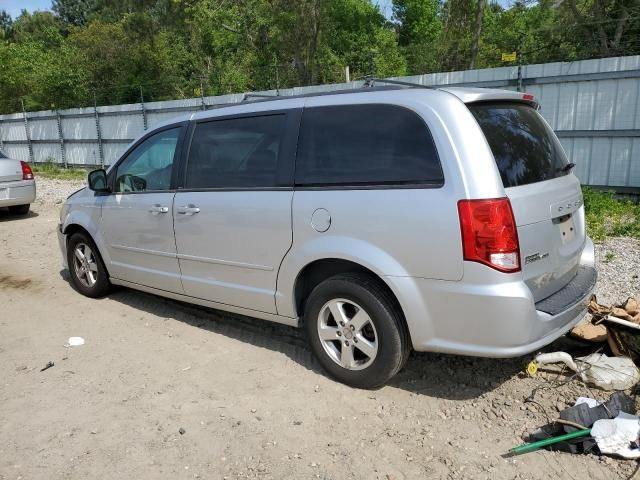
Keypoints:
pixel 614 437
pixel 608 373
pixel 75 341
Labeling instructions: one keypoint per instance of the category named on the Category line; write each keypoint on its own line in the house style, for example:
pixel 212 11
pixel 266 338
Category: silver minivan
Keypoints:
pixel 379 220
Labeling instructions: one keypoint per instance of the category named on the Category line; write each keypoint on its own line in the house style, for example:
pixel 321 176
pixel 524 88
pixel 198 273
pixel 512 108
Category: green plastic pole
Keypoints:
pixel 530 447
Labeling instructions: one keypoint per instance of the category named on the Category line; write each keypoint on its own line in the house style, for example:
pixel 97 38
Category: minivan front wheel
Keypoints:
pixel 356 330
pixel 86 268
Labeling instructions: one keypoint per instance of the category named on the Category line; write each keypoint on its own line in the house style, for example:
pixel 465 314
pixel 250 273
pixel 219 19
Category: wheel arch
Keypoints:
pixel 317 271
pixel 73 228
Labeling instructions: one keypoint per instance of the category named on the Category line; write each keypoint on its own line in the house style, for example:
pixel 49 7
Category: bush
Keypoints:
pixel 53 170
pixel 608 216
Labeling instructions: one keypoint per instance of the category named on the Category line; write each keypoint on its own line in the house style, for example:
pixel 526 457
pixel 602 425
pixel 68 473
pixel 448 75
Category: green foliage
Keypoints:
pixel 607 215
pixel 120 51
pixel 73 12
pixel 55 171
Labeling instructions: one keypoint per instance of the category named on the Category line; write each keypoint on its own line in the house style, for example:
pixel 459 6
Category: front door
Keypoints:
pixel 233 217
pixel 137 218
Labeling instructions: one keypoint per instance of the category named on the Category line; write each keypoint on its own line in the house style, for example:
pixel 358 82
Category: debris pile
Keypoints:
pixel 589 426
pixel 609 426
pixel 618 326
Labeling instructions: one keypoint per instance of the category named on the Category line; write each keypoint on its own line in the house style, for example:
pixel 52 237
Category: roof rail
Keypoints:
pixel 371 82
pixel 258 95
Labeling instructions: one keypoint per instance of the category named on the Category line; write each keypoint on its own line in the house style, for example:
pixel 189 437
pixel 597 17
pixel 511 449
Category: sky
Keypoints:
pixel 14 7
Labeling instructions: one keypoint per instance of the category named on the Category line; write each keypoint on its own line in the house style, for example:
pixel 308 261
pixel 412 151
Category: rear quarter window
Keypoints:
pixel 525 148
pixel 365 145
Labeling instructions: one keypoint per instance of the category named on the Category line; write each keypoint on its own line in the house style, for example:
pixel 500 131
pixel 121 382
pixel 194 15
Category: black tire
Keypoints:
pixel 388 322
pixel 102 285
pixel 20 209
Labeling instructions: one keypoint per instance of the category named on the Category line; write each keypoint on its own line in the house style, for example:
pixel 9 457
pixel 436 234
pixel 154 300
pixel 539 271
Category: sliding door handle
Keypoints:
pixel 157 208
pixel 188 210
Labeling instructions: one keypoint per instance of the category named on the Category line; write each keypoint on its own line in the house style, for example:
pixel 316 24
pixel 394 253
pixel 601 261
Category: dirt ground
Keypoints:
pixel 167 390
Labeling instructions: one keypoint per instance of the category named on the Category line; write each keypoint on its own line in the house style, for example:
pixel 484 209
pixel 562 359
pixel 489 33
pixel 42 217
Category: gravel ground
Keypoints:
pixel 50 192
pixel 168 390
pixel 618 261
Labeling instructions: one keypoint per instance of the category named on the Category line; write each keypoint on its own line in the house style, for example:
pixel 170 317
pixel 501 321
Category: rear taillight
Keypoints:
pixel 27 174
pixel 489 233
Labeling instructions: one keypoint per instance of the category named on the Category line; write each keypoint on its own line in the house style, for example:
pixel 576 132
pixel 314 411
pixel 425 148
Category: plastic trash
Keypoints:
pixel 75 341
pixel 590 402
pixel 587 411
pixel 614 437
pixel 47 366
pixel 608 373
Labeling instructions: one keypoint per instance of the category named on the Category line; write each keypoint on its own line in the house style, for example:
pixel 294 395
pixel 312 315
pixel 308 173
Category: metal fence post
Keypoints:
pixel 63 155
pixel 27 131
pixel 144 110
pixel 203 106
pixel 98 129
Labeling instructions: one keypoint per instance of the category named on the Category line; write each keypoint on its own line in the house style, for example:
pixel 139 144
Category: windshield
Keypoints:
pixel 525 148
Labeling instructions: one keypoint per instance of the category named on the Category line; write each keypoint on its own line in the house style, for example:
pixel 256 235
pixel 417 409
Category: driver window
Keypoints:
pixel 149 165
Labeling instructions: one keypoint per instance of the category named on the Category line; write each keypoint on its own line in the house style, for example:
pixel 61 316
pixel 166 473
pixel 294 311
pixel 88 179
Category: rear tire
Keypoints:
pixel 86 268
pixel 20 209
pixel 356 330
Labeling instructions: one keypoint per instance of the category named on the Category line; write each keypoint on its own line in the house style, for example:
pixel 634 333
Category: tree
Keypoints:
pixel 419 27
pixel 40 27
pixel 73 12
pixel 603 22
pixel 6 25
pixel 476 33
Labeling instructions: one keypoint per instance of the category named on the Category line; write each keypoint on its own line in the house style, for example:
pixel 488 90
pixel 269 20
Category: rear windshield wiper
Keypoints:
pixel 567 168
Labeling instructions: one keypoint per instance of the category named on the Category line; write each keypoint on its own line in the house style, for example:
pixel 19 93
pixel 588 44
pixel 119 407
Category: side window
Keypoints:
pixel 149 165
pixel 374 144
pixel 236 153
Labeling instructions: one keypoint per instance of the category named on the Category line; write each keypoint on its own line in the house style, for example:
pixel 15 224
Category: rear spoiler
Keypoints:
pixel 473 95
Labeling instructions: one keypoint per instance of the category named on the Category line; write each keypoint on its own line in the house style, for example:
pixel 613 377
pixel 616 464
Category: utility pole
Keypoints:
pixel 347 74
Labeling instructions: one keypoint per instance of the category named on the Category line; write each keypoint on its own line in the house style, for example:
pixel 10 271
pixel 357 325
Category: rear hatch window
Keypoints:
pixel 525 148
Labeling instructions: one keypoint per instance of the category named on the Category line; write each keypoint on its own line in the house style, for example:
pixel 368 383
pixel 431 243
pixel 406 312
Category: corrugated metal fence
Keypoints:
pixel 592 105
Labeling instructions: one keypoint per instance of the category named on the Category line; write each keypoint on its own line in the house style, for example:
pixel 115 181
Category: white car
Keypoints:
pixel 17 185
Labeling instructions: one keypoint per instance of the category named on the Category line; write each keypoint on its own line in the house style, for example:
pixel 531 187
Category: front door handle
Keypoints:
pixel 157 208
pixel 188 210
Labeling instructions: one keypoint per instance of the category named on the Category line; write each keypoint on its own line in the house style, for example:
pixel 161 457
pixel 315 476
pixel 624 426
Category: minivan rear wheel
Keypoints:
pixel 86 268
pixel 356 330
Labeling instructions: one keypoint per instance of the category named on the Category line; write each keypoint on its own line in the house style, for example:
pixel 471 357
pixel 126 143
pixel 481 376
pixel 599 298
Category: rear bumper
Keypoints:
pixel 20 192
pixel 492 319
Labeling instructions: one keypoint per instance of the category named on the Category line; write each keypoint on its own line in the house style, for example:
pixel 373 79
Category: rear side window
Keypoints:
pixel 359 145
pixel 235 153
pixel 525 148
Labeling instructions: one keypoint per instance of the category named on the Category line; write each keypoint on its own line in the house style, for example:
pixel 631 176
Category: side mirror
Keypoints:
pixel 97 180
